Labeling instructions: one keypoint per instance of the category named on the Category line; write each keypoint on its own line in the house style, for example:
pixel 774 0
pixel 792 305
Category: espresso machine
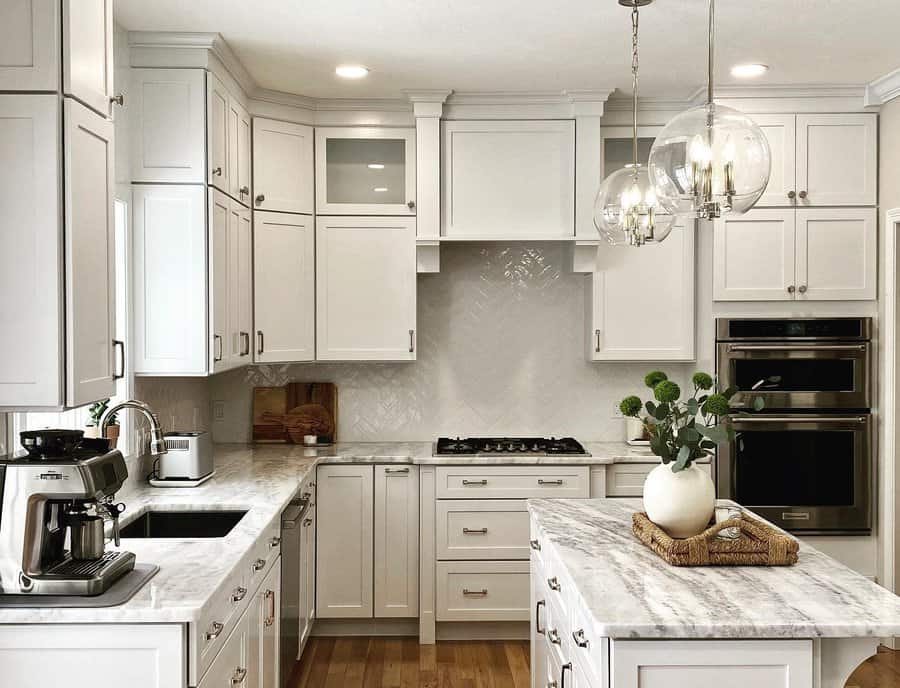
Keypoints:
pixel 56 500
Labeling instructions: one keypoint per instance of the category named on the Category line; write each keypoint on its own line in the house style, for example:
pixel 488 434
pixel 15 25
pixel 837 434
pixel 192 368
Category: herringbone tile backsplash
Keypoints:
pixel 501 339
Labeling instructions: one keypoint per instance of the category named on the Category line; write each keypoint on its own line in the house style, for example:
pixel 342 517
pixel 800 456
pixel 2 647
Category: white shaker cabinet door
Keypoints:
pixel 167 115
pixel 239 151
pixel 90 256
pixel 30 45
pixel 217 112
pixel 234 341
pixel 781 133
pixel 344 542
pixel 88 52
pixel 366 288
pixel 282 166
pixel 244 283
pixel 753 256
pixel 31 283
pixel 284 287
pixel 837 159
pixel 396 541
pixel 836 254
pixel 170 288
pixel 219 271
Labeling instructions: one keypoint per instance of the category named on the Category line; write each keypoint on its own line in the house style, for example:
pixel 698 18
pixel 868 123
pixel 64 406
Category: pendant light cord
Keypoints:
pixel 710 66
pixel 634 82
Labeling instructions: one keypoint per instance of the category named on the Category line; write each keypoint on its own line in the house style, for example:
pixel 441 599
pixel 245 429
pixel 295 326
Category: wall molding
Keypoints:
pixel 883 89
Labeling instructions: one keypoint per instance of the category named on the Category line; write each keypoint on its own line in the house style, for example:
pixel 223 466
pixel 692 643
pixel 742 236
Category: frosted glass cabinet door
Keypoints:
pixel 365 171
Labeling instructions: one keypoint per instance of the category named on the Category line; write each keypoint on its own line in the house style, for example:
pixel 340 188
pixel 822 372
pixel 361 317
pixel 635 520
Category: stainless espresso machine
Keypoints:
pixel 55 502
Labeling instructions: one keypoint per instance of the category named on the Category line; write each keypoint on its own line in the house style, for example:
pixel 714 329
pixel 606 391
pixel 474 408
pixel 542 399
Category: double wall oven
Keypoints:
pixel 805 461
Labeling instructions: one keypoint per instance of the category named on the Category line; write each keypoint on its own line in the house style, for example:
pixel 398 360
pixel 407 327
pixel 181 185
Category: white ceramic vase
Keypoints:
pixel 682 503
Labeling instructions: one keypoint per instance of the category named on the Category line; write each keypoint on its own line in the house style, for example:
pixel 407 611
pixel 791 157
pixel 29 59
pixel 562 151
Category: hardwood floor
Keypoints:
pixel 403 663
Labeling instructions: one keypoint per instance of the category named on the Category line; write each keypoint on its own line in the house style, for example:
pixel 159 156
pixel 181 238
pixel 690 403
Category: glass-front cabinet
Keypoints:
pixel 617 147
pixel 365 171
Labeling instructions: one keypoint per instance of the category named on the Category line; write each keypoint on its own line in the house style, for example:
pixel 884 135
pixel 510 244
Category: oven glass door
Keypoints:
pixel 801 472
pixel 797 376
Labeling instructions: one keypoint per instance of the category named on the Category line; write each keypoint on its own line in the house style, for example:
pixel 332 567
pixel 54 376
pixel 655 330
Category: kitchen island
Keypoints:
pixel 608 612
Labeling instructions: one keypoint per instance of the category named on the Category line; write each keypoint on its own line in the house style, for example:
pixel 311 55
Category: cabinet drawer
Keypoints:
pixel 264 552
pixel 588 651
pixel 483 591
pixel 210 633
pixel 627 479
pixel 510 482
pixel 230 662
pixel 482 529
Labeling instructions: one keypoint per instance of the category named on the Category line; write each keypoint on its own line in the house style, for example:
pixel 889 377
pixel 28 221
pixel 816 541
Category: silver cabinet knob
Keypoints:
pixel 238 677
pixel 803 194
pixel 238 594
pixel 535 544
pixel 792 194
pixel 215 630
pixel 579 638
pixel 245 191
pixel 260 198
pixel 553 636
pixel 802 289
pixel 411 204
pixel 218 171
pixel 791 289
pixel 118 99
pixel 274 542
pixel 259 564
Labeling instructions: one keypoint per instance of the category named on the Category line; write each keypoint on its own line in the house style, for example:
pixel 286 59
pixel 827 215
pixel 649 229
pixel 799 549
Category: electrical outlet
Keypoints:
pixel 218 410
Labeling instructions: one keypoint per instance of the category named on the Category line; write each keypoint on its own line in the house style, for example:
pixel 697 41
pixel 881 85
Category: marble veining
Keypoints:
pixel 631 593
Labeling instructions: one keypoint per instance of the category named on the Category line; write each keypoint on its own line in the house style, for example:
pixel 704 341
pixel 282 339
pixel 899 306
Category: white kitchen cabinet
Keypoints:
pixel 308 570
pixel 239 279
pixel 217 114
pixel 170 278
pixel 396 564
pixel 30 45
pixel 230 668
pixel 238 151
pixel 284 287
pixel 365 171
pixel 508 179
pixel 781 133
pixel 344 542
pixel 811 254
pixel 167 113
pixel 263 629
pixel 220 279
pixel 282 166
pixel 90 256
pixel 640 302
pixel 88 52
pixel 365 288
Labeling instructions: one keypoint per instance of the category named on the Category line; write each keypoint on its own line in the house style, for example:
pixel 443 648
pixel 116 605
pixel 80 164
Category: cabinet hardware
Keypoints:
pixel 552 684
pixel 597 348
pixel 118 99
pixel 541 481
pixel 792 194
pixel 803 194
pixel 791 289
pixel 537 617
pixel 238 594
pixel 245 191
pixel 274 542
pixel 796 347
pixel 118 344
pixel 802 288
pixel 245 343
pixel 475 593
pixel 562 674
pixel 217 347
pixel 535 545
pixel 270 600
pixel 412 346
pixel 260 341
pixel 475 531
pixel 259 564
pixel 218 171
pixel 411 204
pixel 307 522
pixel 397 470
pixel 260 198
pixel 553 636
pixel 215 630
pixel 554 583
pixel 239 675
pixel 474 482
pixel 580 640
pixel 798 419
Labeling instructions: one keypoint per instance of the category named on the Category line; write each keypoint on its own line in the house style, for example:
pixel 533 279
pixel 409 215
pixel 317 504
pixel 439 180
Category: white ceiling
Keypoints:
pixel 536 45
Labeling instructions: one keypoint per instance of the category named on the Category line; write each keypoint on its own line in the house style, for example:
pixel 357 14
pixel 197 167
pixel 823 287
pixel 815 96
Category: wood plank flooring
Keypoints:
pixel 403 663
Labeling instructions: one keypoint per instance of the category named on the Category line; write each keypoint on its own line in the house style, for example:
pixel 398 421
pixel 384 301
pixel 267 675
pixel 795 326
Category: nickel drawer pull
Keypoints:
pixel 580 640
pixel 475 593
pixel 259 564
pixel 215 630
pixel 474 482
pixel 307 522
pixel 550 482
pixel 397 470
pixel 597 348
pixel 475 531
pixel 217 347
pixel 552 684
pixel 274 542
pixel 118 344
pixel 238 594
pixel 554 583
pixel 239 675
pixel 562 674
pixel 412 343
pixel 245 343
pixel 270 600
pixel 260 340
pixel 217 172
pixel 537 617
pixel 553 636
pixel 535 545
pixel 797 347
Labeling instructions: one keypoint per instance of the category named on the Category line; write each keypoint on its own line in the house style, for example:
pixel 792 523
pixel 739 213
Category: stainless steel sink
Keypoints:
pixel 182 524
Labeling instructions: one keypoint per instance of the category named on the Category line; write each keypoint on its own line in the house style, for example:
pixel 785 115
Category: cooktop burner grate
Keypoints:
pixel 528 446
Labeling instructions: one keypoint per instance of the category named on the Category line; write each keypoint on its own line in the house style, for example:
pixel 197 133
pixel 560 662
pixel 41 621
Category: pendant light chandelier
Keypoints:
pixel 710 159
pixel 626 209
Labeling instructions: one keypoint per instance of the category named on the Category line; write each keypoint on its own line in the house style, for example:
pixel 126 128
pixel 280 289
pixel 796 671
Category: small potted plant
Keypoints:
pixel 96 411
pixel 678 496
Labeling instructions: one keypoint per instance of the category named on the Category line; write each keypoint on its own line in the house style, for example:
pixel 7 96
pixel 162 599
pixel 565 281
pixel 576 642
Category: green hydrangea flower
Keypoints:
pixel 702 380
pixel 717 405
pixel 630 406
pixel 653 378
pixel 666 392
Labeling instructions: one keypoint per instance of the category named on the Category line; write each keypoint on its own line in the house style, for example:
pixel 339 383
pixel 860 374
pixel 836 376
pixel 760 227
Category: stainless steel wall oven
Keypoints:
pixel 805 461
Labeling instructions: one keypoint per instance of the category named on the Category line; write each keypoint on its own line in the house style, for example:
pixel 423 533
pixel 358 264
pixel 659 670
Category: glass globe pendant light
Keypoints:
pixel 710 159
pixel 626 210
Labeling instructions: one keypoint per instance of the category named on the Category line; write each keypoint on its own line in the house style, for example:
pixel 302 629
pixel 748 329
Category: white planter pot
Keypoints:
pixel 682 503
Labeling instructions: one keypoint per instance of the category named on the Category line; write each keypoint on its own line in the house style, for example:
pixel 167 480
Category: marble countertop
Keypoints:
pixel 632 593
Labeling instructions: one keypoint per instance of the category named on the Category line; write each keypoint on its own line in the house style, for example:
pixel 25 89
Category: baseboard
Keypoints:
pixel 373 627
pixel 483 630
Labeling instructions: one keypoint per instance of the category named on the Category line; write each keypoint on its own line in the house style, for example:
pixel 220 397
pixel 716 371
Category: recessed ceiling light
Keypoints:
pixel 380 189
pixel 748 71
pixel 351 71
pixel 375 166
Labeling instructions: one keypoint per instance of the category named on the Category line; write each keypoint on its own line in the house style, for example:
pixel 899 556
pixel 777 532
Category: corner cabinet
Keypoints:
pixel 366 288
pixel 282 166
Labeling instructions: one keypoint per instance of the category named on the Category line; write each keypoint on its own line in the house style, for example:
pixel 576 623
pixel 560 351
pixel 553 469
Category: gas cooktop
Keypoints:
pixel 509 446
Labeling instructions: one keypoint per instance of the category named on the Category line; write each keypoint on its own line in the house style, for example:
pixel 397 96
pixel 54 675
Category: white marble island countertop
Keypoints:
pixel 631 593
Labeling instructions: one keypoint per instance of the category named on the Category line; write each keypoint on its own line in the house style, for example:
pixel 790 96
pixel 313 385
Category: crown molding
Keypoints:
pixel 172 39
pixel 883 89
pixel 648 104
pixel 791 91
pixel 432 95
pixel 331 104
pixel 507 98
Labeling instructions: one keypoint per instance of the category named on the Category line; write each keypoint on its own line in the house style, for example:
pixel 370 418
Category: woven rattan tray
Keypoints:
pixel 759 544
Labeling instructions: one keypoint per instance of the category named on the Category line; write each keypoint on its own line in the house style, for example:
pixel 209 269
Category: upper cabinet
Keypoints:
pixel 282 166
pixel 365 171
pixel 88 53
pixel 30 45
pixel 508 179
pixel 821 159
pixel 228 141
pixel 239 162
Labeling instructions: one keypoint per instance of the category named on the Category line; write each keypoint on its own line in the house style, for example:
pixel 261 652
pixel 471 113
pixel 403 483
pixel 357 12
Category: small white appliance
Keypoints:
pixel 188 460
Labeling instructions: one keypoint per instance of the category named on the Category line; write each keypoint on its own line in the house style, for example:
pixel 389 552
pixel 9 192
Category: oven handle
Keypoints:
pixel 796 419
pixel 797 347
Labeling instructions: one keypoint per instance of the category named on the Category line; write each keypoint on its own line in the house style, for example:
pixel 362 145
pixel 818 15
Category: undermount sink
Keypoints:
pixel 182 524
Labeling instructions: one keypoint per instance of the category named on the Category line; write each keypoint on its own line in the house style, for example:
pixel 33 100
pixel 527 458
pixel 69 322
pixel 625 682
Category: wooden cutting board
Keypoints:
pixel 286 414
